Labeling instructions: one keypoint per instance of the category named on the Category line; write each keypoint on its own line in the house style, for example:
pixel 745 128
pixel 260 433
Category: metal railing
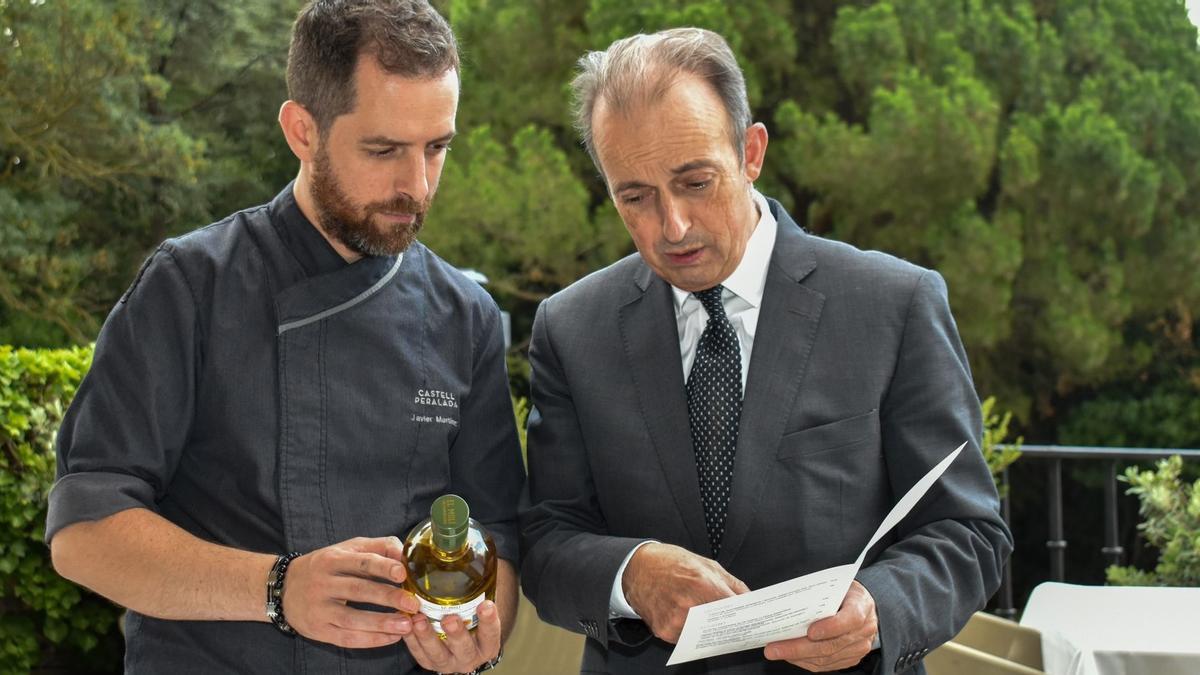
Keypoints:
pixel 1057 543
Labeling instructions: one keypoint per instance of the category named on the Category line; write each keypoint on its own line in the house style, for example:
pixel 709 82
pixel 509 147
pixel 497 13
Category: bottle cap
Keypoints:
pixel 450 518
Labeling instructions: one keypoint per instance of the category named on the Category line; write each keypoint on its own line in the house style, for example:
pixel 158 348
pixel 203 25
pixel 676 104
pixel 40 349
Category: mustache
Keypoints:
pixel 402 204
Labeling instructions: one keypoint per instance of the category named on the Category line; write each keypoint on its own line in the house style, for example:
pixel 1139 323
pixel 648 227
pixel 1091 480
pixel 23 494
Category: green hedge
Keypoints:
pixel 46 621
pixel 1166 415
pixel 1170 509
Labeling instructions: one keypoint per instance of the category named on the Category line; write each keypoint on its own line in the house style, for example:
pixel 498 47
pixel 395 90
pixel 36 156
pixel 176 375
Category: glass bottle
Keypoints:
pixel 451 563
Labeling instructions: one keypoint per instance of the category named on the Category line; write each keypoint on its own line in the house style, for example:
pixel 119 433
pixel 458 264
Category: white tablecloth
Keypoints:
pixel 1113 630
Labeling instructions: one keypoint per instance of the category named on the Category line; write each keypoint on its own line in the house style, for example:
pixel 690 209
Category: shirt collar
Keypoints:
pixel 749 278
pixel 310 248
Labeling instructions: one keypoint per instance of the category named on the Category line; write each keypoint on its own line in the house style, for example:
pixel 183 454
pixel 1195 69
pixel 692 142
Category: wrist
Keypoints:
pixel 276 579
pixel 483 667
pixel 618 600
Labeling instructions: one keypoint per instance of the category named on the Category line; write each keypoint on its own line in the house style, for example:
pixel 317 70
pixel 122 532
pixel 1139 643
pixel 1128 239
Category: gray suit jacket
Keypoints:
pixel 857 385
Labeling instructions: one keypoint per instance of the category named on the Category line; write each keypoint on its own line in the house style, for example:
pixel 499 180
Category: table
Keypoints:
pixel 1116 630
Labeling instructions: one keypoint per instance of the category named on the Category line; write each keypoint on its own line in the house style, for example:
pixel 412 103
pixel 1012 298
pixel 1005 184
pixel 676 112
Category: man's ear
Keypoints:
pixel 300 130
pixel 756 150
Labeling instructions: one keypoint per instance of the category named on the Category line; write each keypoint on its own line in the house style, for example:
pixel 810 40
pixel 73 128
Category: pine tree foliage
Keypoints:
pixel 1043 155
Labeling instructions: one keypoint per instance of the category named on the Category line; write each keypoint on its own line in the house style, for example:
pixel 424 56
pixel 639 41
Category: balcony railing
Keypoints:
pixel 1053 456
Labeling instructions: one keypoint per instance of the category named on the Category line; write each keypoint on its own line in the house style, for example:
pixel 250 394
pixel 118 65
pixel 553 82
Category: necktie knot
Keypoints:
pixel 711 299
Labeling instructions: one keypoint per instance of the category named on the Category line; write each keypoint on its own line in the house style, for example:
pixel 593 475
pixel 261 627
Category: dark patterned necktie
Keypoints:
pixel 714 393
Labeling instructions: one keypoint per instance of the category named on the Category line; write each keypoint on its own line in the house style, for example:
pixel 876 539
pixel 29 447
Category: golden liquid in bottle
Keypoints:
pixel 449 582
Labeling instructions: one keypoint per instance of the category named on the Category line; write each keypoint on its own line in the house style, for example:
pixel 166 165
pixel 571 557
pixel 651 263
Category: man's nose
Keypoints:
pixel 675 222
pixel 411 178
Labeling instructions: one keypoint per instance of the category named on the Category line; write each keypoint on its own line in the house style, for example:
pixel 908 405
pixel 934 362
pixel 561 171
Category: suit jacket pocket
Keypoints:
pixel 841 434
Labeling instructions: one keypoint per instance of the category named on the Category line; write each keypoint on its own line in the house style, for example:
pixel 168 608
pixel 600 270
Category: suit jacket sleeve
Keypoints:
pixel 569 561
pixel 945 559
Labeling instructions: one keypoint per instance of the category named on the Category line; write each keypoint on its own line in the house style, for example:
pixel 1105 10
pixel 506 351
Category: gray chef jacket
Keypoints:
pixel 257 391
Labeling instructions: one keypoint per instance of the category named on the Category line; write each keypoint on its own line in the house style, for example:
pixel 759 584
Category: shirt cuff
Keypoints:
pixel 94 495
pixel 618 606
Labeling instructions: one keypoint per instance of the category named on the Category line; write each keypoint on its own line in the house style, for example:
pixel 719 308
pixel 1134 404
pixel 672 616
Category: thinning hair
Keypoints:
pixel 407 37
pixel 641 68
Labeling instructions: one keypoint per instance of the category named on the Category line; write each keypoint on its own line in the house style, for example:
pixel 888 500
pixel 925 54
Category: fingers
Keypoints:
pixel 427 649
pixel 355 589
pixel 436 658
pixel 834 654
pixel 837 642
pixel 380 557
pixel 735 584
pixel 857 613
pixel 662 582
pixel 489 630
pixel 357 639
pixel 462 643
pixel 334 622
pixel 348 618
pixel 388 547
pixel 462 650
pixel 321 585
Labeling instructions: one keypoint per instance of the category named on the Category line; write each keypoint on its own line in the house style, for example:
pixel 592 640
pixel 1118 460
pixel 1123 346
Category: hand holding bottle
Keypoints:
pixel 452 570
pixel 320 585
pixel 462 650
pixel 662 582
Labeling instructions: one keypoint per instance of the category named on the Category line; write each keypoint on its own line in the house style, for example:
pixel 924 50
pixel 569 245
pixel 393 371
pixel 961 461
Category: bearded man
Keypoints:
pixel 258 429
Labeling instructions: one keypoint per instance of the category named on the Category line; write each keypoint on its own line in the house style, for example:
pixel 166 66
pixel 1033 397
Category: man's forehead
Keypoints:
pixel 401 107
pixel 370 75
pixel 633 147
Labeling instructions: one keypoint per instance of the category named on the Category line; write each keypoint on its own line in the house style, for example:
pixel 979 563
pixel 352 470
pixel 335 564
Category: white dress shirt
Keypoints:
pixel 742 299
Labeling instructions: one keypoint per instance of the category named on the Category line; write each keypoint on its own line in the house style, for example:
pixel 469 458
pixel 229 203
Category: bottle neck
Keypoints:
pixel 448 555
pixel 449 520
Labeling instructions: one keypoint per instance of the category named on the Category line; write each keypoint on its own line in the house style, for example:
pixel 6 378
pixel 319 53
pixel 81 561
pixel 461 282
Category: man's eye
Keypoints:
pixel 698 185
pixel 438 148
pixel 631 199
pixel 380 153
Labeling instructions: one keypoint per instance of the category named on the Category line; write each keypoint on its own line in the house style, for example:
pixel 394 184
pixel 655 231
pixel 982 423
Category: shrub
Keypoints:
pixel 995 430
pixel 1165 416
pixel 43 614
pixel 1170 511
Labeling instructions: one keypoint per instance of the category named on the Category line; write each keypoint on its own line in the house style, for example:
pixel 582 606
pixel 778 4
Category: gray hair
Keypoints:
pixel 642 68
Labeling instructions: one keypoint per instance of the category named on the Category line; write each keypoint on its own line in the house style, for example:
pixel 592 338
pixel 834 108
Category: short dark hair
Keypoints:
pixel 407 37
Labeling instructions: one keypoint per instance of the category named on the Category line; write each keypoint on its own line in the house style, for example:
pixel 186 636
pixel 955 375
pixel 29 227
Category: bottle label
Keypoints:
pixel 465 611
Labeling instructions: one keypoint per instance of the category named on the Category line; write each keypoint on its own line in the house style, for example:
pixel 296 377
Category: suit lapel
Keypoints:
pixel 787 326
pixel 651 342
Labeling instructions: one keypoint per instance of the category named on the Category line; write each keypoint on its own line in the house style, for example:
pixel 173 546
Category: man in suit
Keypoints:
pixel 741 403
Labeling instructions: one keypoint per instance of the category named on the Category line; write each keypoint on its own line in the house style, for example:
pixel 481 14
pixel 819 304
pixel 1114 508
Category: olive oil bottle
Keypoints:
pixel 451 563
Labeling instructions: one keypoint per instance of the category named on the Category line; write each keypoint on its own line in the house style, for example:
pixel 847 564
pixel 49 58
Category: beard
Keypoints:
pixel 353 225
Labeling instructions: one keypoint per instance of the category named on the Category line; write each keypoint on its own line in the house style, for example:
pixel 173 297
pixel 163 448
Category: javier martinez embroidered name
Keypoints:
pixel 435 419
pixel 435 397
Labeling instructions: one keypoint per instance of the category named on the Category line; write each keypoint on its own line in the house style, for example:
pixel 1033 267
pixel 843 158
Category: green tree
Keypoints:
pixel 1038 154
pixel 1044 156
pixel 123 122
pixel 517 213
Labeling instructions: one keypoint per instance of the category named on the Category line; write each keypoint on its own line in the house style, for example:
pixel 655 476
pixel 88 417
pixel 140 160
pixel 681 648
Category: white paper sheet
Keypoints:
pixel 785 610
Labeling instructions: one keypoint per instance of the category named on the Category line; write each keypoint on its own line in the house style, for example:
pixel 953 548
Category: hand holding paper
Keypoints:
pixel 785 610
pixel 835 642
pixel 662 582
